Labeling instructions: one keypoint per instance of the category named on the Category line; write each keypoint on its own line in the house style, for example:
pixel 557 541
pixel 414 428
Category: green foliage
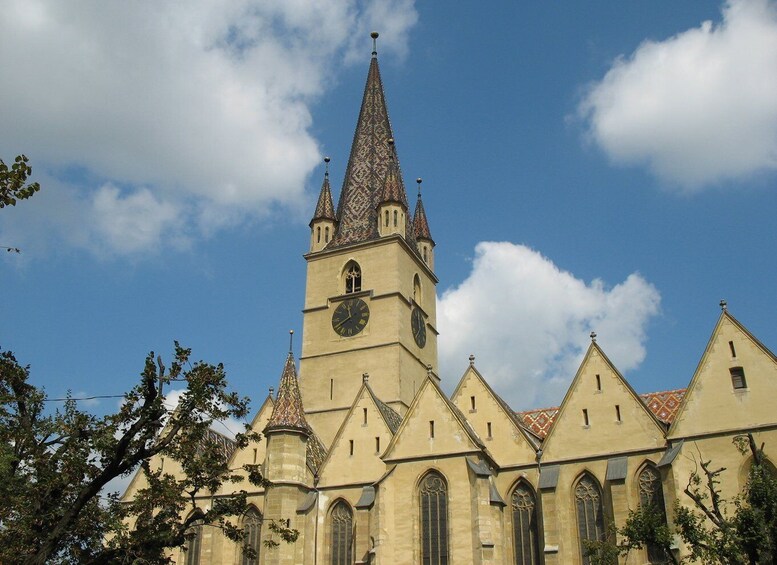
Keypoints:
pixel 12 182
pixel 53 467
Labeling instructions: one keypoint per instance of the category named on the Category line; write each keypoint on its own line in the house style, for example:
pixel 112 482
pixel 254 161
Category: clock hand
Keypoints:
pixel 341 322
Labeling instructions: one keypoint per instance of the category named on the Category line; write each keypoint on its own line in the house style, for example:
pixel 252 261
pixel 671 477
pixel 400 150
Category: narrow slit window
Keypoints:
pixel 396 220
pixel 254 455
pixel 431 429
pixel 365 416
pixel 733 351
pixel 738 380
pixel 598 382
pixel 331 388
pixel 318 235
pixel 472 402
pixel 488 425
pixel 326 235
pixel 585 417
pixel 350 444
pixel 617 413
pixel 387 218
pixel 424 254
pixel 377 445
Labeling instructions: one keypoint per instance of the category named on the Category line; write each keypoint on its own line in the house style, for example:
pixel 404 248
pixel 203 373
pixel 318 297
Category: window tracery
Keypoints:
pixel 434 520
pixel 525 526
pixel 651 494
pixel 353 278
pixel 252 528
pixel 341 534
pixel 590 513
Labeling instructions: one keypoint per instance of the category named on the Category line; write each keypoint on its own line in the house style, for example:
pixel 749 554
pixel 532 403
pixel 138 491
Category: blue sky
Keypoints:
pixel 598 165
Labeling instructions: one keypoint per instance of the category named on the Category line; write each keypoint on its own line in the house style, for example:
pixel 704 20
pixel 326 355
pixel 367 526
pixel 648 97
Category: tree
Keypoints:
pixel 742 530
pixel 12 182
pixel 53 467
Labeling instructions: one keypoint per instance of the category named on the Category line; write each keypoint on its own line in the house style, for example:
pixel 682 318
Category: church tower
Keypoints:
pixel 370 300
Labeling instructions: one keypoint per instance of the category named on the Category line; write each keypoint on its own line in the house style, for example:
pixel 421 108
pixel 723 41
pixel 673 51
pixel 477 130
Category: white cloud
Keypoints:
pixel 528 323
pixel 201 108
pixel 697 108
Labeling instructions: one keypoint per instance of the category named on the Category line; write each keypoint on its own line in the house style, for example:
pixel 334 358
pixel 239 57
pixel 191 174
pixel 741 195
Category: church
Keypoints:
pixel 373 463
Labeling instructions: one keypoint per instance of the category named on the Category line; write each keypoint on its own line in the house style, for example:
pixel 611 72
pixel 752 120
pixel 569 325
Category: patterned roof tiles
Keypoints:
pixel 392 418
pixel 420 223
pixel 393 191
pixel 325 209
pixel 288 412
pixel 663 404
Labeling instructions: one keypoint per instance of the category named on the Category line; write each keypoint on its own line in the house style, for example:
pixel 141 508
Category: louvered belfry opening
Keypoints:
pixel 434 520
pixel 525 526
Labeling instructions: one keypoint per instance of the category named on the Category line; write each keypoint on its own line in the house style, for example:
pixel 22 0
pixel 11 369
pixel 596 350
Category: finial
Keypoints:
pixel 429 369
pixel 374 35
pixel 272 391
pixel 326 160
pixel 419 180
pixel 365 377
pixel 471 360
pixel 723 305
pixel 291 341
pixel 593 337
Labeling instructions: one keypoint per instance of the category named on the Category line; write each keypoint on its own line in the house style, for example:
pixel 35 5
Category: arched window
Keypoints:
pixel 193 542
pixel 326 234
pixel 318 234
pixel 525 527
pixel 434 520
pixel 651 495
pixel 341 541
pixel 417 289
pixel 353 278
pixel 590 513
pixel 387 218
pixel 395 218
pixel 252 528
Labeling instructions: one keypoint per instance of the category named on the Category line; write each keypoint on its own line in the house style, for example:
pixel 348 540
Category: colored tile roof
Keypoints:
pixel 325 209
pixel 288 412
pixel 663 404
pixel 392 418
pixel 393 190
pixel 366 172
pixel 315 453
pixel 223 444
pixel 420 223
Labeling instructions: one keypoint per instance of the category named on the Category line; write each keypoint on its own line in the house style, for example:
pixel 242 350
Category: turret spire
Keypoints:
pixel 420 223
pixel 288 412
pixel 325 209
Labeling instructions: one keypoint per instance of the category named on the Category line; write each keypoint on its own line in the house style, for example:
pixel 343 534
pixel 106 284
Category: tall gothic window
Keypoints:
pixel 342 534
pixel 590 513
pixel 252 528
pixel 651 495
pixel 434 520
pixel 193 543
pixel 525 527
pixel 353 278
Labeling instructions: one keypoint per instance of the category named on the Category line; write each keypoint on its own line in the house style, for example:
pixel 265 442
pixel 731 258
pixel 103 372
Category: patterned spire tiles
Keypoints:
pixel 288 412
pixel 420 223
pixel 393 191
pixel 367 168
pixel 325 209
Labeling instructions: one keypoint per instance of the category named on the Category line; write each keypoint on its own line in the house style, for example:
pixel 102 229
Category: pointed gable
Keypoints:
pixel 366 431
pixel 432 426
pixel 733 387
pixel 510 442
pixel 601 414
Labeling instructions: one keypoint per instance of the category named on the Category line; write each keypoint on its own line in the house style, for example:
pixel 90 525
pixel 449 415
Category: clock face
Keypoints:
pixel 350 317
pixel 418 326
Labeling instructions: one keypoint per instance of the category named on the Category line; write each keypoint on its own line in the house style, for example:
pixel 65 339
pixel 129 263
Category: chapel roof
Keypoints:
pixel 663 405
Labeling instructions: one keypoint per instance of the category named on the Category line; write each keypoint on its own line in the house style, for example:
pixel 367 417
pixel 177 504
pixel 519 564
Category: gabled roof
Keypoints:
pixel 390 416
pixel 325 209
pixel 366 172
pixel 663 404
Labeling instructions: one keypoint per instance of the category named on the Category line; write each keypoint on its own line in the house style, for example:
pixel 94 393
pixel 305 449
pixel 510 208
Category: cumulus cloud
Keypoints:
pixel 528 323
pixel 201 110
pixel 697 108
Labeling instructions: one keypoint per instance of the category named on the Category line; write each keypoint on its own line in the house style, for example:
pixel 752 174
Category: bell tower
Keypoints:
pixel 370 299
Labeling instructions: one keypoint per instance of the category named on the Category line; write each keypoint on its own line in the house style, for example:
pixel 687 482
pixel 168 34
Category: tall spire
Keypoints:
pixel 367 167
pixel 288 413
pixel 420 223
pixel 325 209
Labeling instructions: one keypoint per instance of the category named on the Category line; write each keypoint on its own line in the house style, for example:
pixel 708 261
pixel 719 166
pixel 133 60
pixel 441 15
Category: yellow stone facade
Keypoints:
pixel 395 449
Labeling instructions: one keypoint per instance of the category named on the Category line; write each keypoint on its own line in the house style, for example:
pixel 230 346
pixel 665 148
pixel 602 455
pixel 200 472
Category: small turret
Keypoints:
pixel 392 206
pixel 322 226
pixel 421 231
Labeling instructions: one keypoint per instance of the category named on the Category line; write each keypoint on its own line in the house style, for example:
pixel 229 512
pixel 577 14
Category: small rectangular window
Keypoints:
pixel 738 378
pixel 331 388
pixel 365 416
pixel 617 413
pixel 351 446
pixel 585 417
pixel 488 425
pixel 733 351
pixel 472 403
pixel 598 382
pixel 377 445
pixel 254 455
pixel 431 429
